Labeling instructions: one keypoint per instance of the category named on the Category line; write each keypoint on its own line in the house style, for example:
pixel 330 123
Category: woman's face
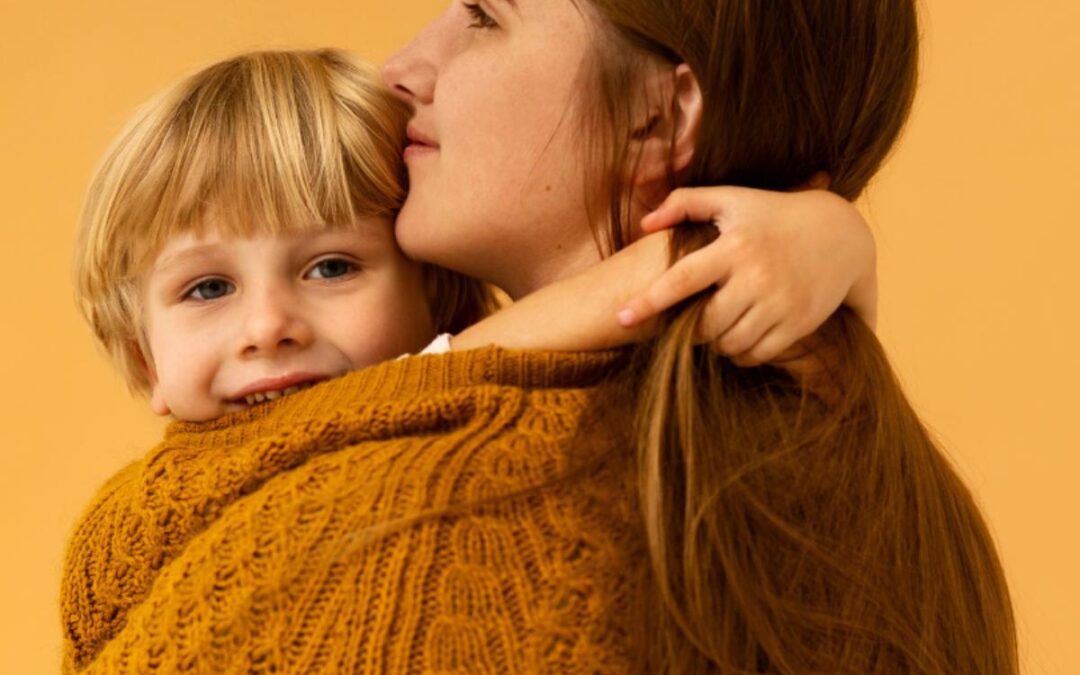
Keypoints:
pixel 495 162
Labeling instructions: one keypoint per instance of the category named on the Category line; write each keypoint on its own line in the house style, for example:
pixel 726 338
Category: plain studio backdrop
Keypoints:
pixel 974 216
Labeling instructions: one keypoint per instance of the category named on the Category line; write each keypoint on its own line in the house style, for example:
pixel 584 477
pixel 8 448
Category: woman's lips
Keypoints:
pixel 420 145
pixel 419 137
pixel 415 150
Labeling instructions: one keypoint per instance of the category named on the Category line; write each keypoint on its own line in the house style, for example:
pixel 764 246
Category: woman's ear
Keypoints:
pixel 819 181
pixel 670 136
pixel 688 110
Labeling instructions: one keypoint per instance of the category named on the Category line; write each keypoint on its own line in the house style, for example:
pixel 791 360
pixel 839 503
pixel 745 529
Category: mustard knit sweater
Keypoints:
pixel 462 513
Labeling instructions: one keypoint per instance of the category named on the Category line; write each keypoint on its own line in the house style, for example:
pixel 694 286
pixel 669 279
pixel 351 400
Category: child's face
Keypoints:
pixel 232 321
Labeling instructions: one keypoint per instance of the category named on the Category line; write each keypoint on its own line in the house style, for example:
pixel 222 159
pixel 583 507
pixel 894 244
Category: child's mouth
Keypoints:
pixel 263 396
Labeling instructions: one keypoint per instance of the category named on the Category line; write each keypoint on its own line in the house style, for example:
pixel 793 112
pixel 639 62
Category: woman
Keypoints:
pixel 765 554
pixel 499 511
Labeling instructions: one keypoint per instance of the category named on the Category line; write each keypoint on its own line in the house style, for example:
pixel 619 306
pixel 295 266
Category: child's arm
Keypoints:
pixel 784 263
pixel 576 313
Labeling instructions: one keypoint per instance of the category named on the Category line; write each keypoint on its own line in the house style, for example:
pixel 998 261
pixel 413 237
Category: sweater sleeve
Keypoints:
pixel 467 523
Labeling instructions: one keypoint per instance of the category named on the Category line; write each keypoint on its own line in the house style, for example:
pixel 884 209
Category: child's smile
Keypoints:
pixel 275 388
pixel 232 322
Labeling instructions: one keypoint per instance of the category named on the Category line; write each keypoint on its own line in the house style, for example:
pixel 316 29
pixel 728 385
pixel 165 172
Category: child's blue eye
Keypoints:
pixel 331 268
pixel 210 289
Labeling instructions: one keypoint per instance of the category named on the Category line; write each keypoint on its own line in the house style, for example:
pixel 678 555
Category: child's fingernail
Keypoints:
pixel 626 317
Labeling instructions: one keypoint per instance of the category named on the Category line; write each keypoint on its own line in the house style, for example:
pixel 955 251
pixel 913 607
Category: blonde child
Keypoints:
pixel 238 244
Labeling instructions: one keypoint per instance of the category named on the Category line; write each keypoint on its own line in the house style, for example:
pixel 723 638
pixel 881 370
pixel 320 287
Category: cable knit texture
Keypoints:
pixel 461 513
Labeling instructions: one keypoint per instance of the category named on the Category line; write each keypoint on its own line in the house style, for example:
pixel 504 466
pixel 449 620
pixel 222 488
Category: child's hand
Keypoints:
pixel 784 262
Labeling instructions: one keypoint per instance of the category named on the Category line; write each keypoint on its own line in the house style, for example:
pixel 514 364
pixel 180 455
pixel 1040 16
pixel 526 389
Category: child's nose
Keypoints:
pixel 274 325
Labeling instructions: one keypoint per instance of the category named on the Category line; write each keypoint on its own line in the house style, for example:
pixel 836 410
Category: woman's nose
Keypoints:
pixel 411 73
pixel 273 325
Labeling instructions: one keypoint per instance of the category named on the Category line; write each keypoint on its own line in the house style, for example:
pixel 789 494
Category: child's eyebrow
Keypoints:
pixel 186 256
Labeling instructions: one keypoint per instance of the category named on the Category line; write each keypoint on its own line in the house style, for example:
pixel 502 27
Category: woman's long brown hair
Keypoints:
pixel 788 531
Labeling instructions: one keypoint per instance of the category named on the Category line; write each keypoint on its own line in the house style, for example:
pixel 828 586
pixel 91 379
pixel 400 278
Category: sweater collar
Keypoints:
pixel 403 379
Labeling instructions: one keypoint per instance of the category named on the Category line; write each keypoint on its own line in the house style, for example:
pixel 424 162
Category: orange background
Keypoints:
pixel 975 219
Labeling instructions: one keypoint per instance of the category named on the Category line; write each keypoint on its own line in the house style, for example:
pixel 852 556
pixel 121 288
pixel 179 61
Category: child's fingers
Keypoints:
pixel 769 348
pixel 745 333
pixel 703 204
pixel 727 306
pixel 687 276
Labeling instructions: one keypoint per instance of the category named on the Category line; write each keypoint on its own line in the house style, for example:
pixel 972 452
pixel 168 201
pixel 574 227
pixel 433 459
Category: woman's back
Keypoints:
pixel 816 533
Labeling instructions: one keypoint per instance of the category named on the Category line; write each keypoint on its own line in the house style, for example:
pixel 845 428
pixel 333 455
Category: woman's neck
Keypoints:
pixel 544 266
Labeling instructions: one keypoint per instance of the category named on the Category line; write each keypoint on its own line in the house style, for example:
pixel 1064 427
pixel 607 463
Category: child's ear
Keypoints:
pixel 157 401
pixel 669 136
pixel 157 397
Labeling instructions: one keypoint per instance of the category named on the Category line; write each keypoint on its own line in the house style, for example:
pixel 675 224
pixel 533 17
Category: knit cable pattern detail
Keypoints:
pixel 461 513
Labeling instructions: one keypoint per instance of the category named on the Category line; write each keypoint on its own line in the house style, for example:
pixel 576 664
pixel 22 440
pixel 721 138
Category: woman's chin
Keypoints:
pixel 420 234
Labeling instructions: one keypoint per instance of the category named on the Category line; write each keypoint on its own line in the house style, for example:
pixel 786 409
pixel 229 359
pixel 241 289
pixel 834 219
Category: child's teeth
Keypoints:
pixel 252 399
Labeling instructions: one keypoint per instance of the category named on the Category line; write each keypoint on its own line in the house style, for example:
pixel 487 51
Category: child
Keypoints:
pixel 237 247
pixel 238 241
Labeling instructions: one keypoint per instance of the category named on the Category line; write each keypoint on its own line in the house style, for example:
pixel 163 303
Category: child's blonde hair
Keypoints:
pixel 273 142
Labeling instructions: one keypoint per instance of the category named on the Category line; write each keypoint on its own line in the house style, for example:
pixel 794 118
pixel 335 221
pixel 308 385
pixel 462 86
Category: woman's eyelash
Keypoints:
pixel 481 19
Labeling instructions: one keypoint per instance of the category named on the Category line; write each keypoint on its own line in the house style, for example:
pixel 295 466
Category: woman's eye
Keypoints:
pixel 211 289
pixel 480 18
pixel 331 268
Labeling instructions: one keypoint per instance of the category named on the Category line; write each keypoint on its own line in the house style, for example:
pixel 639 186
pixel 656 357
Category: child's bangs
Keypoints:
pixel 261 147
